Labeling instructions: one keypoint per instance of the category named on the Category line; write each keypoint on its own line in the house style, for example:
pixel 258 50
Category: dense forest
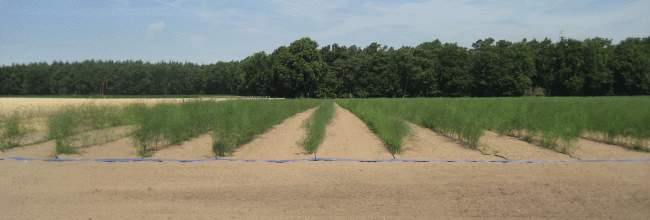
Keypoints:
pixel 570 67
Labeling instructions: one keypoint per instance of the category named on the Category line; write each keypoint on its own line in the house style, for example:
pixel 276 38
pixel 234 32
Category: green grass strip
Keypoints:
pixel 390 129
pixel 316 124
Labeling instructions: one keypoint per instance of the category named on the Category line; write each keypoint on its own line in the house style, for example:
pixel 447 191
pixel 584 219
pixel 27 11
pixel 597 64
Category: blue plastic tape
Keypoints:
pixel 331 159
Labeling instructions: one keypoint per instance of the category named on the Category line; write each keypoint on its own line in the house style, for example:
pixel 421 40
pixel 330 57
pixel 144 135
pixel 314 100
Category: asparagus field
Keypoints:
pixel 531 158
pixel 556 123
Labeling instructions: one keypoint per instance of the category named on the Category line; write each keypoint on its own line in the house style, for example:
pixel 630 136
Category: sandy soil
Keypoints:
pixel 90 145
pixel 348 137
pixel 33 137
pixel 588 149
pixel 279 143
pixel 42 151
pixel 426 144
pixel 122 148
pixel 324 190
pixel 197 148
pixel 515 149
pixel 36 131
pixel 100 136
pixel 621 141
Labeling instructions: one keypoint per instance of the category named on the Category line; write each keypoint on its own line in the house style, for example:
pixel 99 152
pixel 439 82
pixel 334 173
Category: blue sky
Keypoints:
pixel 205 31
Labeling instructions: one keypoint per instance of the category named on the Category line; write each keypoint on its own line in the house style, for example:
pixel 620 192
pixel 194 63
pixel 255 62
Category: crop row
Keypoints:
pixel 231 123
pixel 390 129
pixel 555 123
pixel 315 126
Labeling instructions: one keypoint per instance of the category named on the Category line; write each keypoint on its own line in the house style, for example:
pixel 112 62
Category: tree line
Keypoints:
pixel 490 68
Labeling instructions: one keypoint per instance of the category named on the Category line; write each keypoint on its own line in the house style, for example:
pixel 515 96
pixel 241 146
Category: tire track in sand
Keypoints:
pixel 348 137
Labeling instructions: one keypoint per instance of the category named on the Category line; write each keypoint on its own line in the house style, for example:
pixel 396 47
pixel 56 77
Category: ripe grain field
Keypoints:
pixel 320 189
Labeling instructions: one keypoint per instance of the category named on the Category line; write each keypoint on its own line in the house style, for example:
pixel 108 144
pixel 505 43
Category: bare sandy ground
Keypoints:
pixel 515 149
pixel 324 190
pixel 279 143
pixel 33 137
pixel 349 138
pixel 42 151
pixel 122 148
pixel 588 149
pixel 621 141
pixel 94 144
pixel 197 148
pixel 426 144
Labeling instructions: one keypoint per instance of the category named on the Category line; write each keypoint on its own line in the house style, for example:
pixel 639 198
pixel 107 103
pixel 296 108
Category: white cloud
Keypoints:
pixel 210 16
pixel 156 27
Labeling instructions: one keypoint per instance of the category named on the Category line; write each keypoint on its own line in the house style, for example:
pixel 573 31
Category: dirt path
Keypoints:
pixel 197 148
pixel 515 149
pixel 122 148
pixel 348 137
pixel 588 149
pixel 279 143
pixel 324 190
pixel 427 144
pixel 42 151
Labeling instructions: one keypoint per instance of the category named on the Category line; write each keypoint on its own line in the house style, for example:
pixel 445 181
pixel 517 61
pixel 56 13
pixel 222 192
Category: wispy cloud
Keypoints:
pixel 308 8
pixel 214 16
pixel 173 4
pixel 156 27
pixel 208 30
pixel 465 21
pixel 428 16
pixel 217 18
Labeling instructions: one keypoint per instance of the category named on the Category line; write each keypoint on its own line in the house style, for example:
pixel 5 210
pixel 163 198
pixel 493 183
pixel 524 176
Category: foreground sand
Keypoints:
pixel 324 190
